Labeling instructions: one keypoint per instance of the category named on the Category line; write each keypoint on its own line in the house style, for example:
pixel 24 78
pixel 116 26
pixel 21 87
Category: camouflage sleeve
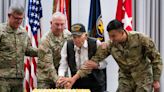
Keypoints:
pixel 0 32
pixel 0 35
pixel 100 55
pixel 152 53
pixel 31 51
pixel 45 61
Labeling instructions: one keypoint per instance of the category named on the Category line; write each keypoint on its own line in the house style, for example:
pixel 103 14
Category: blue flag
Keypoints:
pixel 95 25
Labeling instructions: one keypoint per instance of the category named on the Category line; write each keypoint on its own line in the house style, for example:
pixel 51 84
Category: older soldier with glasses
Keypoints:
pixel 14 45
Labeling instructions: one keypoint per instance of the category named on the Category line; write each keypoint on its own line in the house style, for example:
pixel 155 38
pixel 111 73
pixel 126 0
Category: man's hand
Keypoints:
pixel 156 86
pixel 69 84
pixel 71 81
pixel 61 82
pixel 90 65
pixel 64 82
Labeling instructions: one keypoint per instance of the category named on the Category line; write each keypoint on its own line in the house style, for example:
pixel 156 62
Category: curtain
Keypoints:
pixel 148 18
pixel 162 40
pixel 4 6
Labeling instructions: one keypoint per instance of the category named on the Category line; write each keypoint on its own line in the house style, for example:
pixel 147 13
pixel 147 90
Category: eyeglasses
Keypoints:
pixel 17 18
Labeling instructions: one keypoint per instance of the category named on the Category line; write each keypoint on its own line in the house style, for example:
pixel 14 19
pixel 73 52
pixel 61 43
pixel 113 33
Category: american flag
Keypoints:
pixel 63 6
pixel 34 14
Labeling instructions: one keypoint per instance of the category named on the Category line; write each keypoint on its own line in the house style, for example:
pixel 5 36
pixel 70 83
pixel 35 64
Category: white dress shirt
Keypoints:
pixel 81 55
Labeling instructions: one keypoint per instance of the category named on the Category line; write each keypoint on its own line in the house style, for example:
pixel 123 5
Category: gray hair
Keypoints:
pixel 16 8
pixel 58 14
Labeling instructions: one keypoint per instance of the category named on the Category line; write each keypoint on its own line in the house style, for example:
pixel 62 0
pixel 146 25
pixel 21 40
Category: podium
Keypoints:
pixel 61 90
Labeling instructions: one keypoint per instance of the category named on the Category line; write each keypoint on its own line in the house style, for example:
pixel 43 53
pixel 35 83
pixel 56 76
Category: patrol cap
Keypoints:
pixel 77 29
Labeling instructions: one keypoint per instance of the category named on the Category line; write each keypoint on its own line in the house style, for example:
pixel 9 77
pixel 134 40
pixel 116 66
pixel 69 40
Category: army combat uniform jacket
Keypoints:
pixel 137 58
pixel 14 45
pixel 49 55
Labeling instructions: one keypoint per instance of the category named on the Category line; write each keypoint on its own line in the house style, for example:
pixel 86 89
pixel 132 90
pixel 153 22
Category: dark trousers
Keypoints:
pixel 104 71
pixel 89 83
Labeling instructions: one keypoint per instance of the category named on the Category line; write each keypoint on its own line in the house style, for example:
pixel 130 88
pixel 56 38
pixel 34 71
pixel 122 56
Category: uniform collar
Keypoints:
pixel 129 35
pixel 127 40
pixel 64 35
pixel 55 38
pixel 11 30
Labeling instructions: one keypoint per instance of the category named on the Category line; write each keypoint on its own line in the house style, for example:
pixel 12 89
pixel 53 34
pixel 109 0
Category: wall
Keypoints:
pixel 1 11
pixel 47 13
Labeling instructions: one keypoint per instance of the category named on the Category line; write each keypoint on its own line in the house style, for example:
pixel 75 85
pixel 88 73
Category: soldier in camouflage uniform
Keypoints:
pixel 14 45
pixel 140 63
pixel 49 51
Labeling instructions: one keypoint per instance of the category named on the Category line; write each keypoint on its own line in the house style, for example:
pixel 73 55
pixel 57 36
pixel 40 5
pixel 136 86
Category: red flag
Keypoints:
pixel 63 6
pixel 124 13
pixel 34 32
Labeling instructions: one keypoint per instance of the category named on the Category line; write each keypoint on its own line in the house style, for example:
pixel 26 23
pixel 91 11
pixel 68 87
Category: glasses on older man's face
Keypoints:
pixel 17 17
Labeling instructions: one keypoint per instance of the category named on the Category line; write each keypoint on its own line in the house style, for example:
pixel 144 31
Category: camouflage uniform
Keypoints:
pixel 49 57
pixel 14 45
pixel 138 59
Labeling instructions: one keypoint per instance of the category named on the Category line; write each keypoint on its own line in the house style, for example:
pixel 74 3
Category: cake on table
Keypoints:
pixel 61 90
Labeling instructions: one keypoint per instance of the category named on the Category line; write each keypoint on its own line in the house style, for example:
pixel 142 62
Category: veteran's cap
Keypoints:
pixel 77 29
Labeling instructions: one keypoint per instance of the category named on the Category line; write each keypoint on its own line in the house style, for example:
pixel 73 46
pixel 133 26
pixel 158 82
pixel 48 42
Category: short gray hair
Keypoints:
pixel 58 14
pixel 16 8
